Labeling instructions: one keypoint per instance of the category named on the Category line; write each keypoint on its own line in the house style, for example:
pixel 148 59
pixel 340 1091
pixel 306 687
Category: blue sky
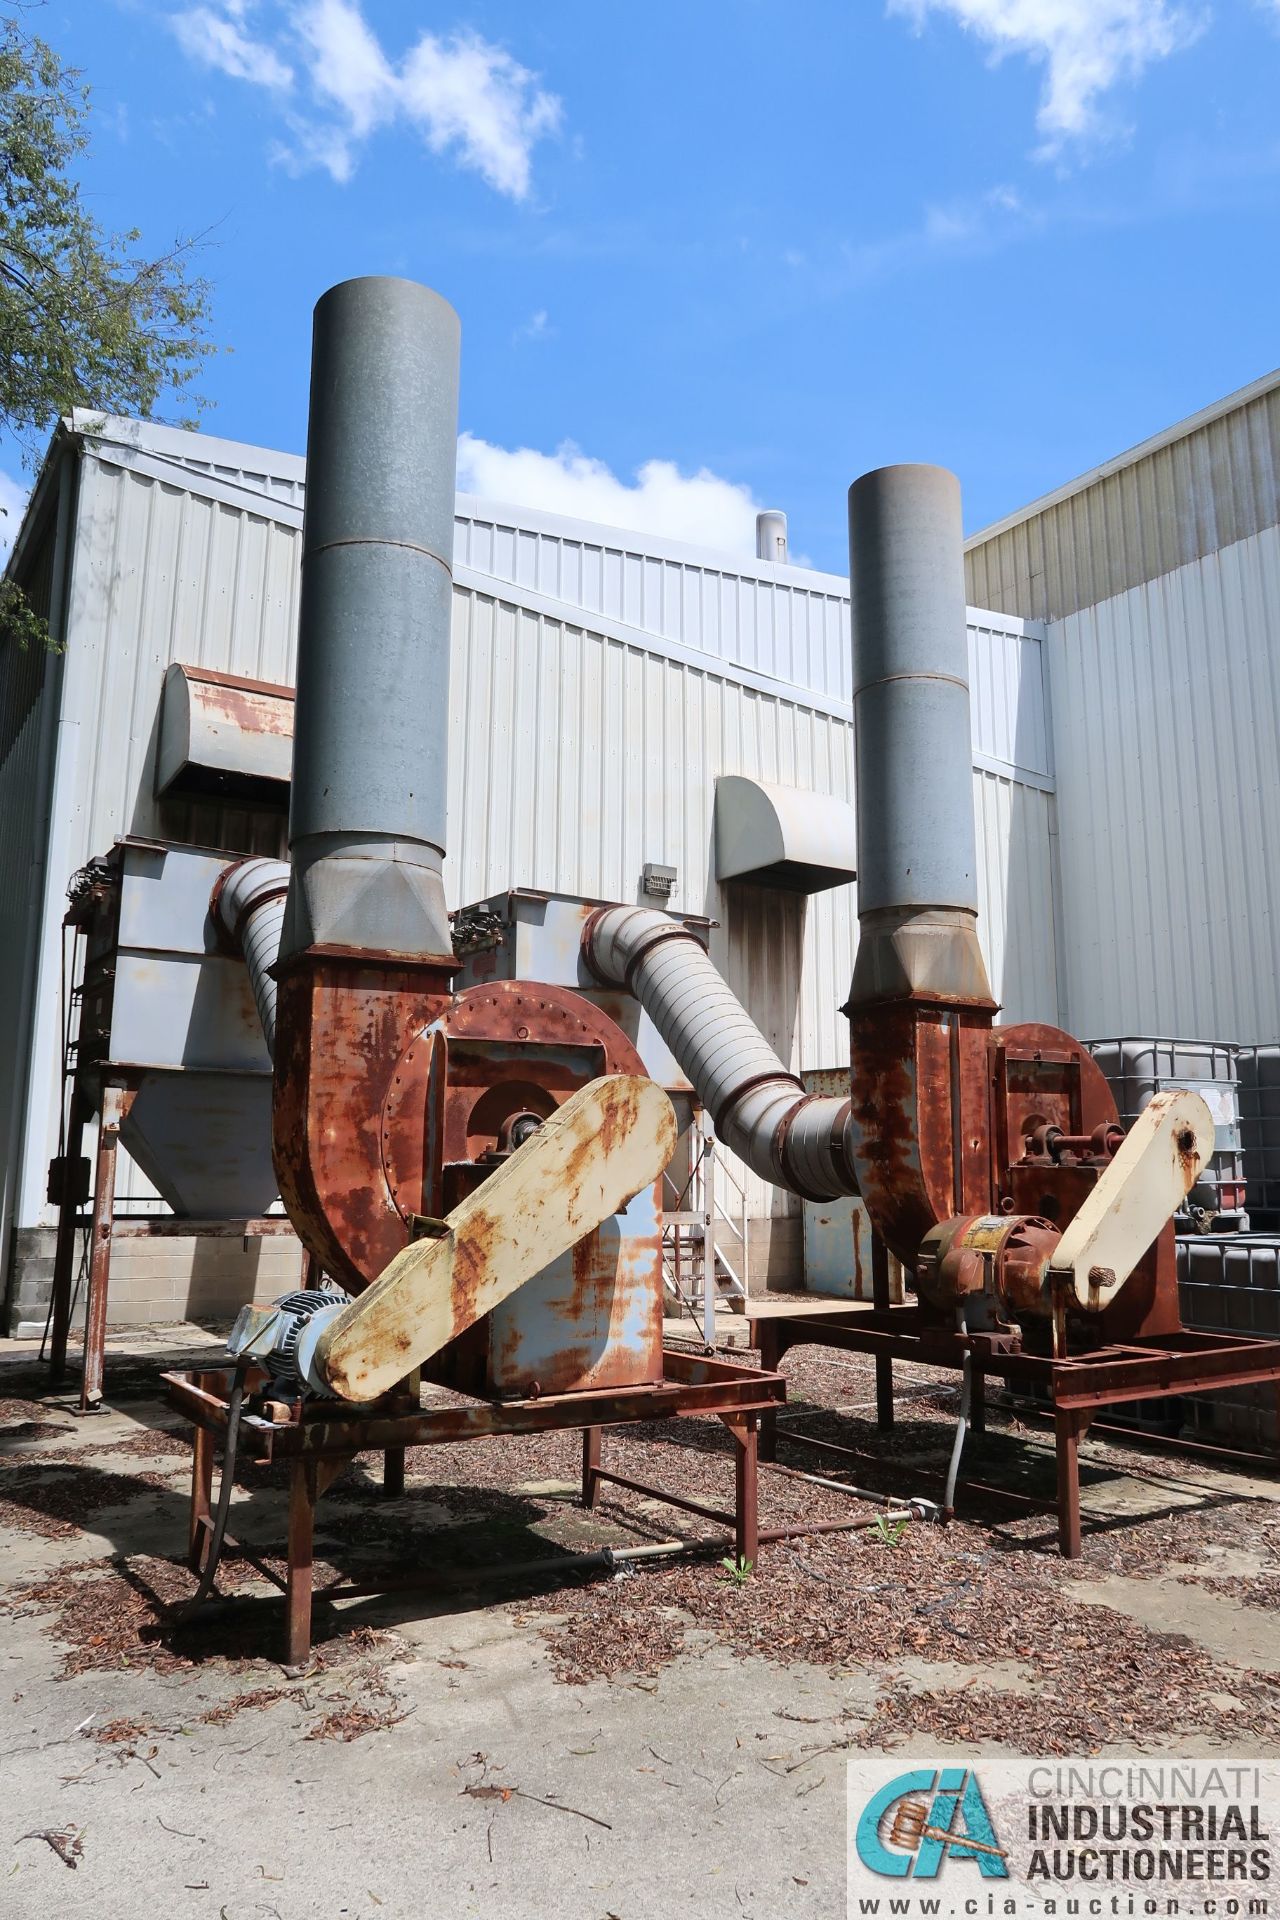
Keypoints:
pixel 713 254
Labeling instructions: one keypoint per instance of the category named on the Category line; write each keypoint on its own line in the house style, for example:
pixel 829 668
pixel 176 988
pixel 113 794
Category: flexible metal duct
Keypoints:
pixel 250 904
pixel 917 850
pixel 761 1110
pixel 370 755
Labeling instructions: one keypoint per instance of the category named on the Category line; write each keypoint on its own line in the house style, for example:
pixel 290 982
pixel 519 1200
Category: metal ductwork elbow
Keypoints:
pixel 248 904
pixel 760 1109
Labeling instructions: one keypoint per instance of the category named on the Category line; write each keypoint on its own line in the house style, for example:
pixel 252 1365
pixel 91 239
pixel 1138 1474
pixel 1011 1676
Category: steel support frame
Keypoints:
pixel 116 1102
pixel 105 1226
pixel 319 1445
pixel 1079 1387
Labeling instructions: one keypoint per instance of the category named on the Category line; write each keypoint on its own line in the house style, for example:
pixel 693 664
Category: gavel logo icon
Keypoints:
pixel 911 1826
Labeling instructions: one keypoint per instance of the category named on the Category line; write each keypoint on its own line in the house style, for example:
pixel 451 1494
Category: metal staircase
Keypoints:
pixel 698 1233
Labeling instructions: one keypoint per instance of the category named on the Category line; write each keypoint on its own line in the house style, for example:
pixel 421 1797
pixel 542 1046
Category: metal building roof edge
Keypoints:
pixel 1181 430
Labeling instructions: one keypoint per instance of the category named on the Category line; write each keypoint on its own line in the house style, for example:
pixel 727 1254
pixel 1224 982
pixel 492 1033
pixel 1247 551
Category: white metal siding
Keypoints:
pixel 781 622
pixel 1205 485
pixel 28 680
pixel 159 573
pixel 582 750
pixel 583 756
pixel 1166 704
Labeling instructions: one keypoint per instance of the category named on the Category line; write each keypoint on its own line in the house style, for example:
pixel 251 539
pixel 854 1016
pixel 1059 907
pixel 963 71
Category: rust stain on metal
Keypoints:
pixel 362 1143
pixel 251 712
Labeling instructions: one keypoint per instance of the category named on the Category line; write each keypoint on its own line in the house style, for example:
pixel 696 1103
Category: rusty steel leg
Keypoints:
pixel 1067 1448
pixel 302 1519
pixel 116 1102
pixel 393 1473
pixel 745 1429
pixel 591 1452
pixel 769 1341
pixel 978 1402
pixel 201 1497
pixel 880 1301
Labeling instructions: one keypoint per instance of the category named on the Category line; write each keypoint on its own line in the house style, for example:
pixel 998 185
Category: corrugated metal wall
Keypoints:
pixel 26 677
pixel 586 755
pixel 784 623
pixel 1166 706
pixel 158 573
pixel 584 749
pixel 1202 486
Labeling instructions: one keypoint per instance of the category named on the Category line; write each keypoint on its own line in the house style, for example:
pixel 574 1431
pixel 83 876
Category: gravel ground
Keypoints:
pixel 988 1591
pixel 509 1735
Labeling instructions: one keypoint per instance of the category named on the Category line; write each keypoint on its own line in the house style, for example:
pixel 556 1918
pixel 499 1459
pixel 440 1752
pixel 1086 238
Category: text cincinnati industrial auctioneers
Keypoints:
pixel 1005 1838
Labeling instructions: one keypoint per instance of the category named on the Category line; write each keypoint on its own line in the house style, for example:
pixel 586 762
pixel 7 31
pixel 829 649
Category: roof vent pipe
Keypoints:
pixel 771 536
pixel 367 804
pixel 917 851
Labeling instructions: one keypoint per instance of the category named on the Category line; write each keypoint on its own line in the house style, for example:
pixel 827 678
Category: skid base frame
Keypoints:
pixel 320 1438
pixel 1077 1388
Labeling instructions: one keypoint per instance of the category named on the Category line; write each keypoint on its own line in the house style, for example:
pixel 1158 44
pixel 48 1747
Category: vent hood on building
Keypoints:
pixel 781 837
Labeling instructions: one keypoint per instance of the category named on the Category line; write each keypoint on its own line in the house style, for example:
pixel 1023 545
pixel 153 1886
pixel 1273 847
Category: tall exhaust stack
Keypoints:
pixel 367 807
pixel 917 851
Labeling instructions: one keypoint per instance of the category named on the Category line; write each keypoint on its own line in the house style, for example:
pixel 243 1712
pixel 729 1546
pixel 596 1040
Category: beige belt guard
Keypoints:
pixel 1162 1157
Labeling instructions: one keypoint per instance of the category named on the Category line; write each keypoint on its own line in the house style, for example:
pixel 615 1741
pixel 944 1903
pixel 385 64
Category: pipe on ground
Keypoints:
pixel 761 1111
pixel 249 903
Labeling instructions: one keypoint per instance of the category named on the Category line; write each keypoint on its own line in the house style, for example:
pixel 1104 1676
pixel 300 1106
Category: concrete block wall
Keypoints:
pixel 160 1280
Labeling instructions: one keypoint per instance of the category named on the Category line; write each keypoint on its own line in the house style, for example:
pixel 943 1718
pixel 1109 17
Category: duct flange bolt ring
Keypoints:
pixel 760 1109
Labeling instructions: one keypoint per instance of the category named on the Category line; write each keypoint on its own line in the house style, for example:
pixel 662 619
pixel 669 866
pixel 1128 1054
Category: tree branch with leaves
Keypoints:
pixel 87 318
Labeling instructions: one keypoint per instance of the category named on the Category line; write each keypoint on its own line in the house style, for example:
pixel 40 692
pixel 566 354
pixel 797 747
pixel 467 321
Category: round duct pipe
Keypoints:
pixel 248 904
pixel 761 1111
pixel 370 756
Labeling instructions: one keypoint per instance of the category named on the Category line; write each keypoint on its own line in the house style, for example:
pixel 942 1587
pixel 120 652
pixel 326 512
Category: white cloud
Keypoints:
pixel 465 97
pixel 699 507
pixel 216 37
pixel 1086 46
pixel 537 327
pixel 348 67
pixel 960 228
pixel 474 96
pixel 13 504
